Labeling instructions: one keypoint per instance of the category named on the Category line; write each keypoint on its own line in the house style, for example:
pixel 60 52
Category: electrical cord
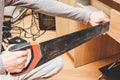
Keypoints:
pixel 28 32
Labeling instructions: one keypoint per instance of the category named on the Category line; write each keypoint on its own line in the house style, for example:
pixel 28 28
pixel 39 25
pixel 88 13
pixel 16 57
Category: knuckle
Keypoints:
pixel 22 66
pixel 18 70
pixel 17 55
pixel 19 61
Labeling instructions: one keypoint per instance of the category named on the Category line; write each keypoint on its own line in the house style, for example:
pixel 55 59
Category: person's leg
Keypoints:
pixel 46 70
pixel 8 77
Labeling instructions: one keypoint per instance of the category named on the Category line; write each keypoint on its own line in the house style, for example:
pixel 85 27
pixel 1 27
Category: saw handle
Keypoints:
pixel 35 56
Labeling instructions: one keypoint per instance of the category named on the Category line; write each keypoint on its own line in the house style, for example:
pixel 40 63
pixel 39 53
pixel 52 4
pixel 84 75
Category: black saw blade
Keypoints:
pixel 58 46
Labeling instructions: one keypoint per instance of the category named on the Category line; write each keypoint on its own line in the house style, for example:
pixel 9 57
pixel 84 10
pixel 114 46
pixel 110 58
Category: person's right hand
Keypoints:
pixel 14 61
pixel 98 17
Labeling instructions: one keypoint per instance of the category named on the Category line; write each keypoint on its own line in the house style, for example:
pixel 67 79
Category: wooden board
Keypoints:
pixel 101 6
pixel 90 51
pixel 115 4
pixel 118 1
pixel 114 31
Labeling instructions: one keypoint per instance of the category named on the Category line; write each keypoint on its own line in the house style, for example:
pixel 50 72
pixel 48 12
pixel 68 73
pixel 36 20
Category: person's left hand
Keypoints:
pixel 98 17
pixel 14 61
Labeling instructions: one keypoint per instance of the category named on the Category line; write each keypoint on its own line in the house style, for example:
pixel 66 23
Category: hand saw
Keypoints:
pixel 45 51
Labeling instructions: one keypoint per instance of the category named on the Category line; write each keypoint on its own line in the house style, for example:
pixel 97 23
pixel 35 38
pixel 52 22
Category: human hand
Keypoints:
pixel 98 17
pixel 14 61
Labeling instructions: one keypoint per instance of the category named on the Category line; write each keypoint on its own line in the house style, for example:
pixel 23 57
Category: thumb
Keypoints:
pixel 20 53
pixel 7 49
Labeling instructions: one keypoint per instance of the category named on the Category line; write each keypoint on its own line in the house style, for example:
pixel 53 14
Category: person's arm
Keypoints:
pixel 50 7
pixel 54 8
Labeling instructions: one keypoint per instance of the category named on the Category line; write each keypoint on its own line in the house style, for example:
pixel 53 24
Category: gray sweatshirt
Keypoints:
pixel 49 7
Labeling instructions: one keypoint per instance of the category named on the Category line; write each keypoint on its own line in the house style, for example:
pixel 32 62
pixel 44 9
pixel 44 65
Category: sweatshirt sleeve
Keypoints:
pixel 54 8
pixel 2 70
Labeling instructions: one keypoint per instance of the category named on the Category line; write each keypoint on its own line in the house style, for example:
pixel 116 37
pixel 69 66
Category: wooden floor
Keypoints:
pixel 86 72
